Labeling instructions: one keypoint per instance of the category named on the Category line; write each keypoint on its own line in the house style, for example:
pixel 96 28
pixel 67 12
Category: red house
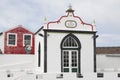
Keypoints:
pixel 19 41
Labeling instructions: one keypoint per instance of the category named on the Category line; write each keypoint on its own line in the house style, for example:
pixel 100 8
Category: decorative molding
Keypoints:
pixel 70 23
pixel 70 31
pixel 58 21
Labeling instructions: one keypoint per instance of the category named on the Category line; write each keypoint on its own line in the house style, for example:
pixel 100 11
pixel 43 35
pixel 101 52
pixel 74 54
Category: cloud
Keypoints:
pixel 16 13
pixel 31 13
pixel 108 40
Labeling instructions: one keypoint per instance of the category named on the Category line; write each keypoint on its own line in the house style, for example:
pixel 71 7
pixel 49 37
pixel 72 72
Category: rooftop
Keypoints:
pixel 108 50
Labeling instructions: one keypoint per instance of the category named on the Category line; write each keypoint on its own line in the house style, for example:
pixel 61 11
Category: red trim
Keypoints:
pixel 73 16
pixel 56 21
pixel 83 22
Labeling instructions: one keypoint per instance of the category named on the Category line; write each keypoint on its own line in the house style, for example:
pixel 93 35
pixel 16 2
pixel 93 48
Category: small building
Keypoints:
pixel 1 43
pixel 108 59
pixel 66 46
pixel 18 40
pixel 17 49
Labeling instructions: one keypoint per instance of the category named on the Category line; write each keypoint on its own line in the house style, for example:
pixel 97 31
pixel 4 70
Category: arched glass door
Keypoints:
pixel 70 52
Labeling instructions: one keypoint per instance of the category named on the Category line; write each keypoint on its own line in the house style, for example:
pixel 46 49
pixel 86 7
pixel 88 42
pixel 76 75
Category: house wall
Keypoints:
pixel 107 63
pixel 54 52
pixel 2 42
pixel 19 48
pixel 39 39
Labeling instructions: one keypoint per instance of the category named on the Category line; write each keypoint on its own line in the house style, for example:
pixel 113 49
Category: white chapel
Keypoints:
pixel 66 46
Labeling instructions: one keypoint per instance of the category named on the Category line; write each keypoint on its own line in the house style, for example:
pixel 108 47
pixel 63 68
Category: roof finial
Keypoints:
pixel 45 20
pixel 94 22
pixel 70 8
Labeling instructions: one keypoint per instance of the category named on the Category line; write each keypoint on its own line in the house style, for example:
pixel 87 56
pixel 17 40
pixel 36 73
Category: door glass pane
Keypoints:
pixel 66 59
pixel 74 69
pixel 66 69
pixel 74 59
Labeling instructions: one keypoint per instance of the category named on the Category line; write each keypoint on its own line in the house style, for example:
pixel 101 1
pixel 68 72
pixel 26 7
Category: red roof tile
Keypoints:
pixel 108 50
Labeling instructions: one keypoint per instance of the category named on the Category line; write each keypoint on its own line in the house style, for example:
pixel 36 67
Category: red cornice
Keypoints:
pixel 83 22
pixel 58 21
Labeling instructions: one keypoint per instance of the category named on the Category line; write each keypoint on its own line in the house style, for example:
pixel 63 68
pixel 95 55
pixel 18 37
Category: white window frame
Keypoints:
pixel 24 40
pixel 70 46
pixel 8 39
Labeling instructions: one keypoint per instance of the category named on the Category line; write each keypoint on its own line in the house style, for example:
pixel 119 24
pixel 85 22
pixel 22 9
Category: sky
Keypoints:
pixel 31 14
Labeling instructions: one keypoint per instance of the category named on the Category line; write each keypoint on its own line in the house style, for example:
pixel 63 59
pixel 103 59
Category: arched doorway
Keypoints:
pixel 70 54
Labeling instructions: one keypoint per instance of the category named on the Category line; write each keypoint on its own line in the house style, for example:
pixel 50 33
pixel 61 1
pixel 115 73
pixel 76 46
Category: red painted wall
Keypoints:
pixel 19 49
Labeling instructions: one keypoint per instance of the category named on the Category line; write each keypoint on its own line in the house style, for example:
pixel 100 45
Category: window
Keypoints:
pixel 12 39
pixel 59 76
pixel 70 42
pixel 70 47
pixel 27 39
pixel 119 75
pixel 100 75
pixel 79 75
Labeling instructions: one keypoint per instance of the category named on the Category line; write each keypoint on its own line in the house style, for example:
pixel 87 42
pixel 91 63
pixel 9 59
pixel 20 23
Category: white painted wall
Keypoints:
pixel 61 25
pixel 87 52
pixel 2 42
pixel 54 52
pixel 40 39
pixel 108 64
